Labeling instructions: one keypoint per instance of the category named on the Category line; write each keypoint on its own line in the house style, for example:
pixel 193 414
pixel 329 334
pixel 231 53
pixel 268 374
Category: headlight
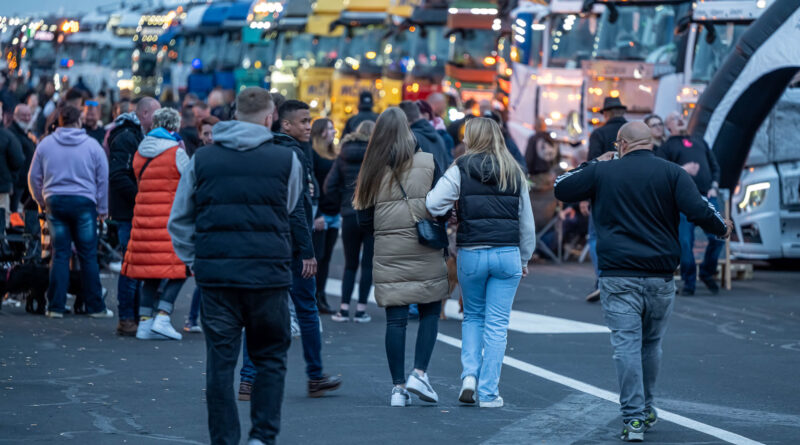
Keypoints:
pixel 754 196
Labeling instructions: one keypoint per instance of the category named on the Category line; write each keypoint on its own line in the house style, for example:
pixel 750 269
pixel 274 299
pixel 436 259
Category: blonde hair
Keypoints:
pixel 482 136
pixel 391 146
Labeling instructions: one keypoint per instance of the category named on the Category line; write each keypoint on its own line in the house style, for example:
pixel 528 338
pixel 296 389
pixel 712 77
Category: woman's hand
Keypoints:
pixel 524 271
pixel 319 224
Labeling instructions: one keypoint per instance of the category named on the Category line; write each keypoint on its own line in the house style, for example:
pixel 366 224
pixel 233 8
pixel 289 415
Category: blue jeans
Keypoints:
pixel 194 309
pixel 593 247
pixel 127 288
pixel 303 296
pixel 708 268
pixel 73 219
pixel 637 310
pixel 489 280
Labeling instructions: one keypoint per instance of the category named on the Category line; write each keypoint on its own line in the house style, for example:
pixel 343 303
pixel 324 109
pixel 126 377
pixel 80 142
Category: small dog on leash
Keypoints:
pixel 31 281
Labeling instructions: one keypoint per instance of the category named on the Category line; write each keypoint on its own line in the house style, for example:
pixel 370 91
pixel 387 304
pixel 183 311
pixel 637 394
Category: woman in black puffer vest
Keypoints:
pixel 341 183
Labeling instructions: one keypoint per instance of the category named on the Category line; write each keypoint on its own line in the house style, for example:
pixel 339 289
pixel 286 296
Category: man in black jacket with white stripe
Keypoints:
pixel 636 205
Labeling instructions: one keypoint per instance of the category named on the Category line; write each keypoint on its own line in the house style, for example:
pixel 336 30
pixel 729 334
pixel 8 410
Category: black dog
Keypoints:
pixel 32 280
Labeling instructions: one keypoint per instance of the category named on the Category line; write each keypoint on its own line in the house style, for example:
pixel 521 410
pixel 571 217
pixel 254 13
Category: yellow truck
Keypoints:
pixel 316 77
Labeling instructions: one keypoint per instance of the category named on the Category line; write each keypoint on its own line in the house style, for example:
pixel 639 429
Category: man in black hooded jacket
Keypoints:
pixel 428 139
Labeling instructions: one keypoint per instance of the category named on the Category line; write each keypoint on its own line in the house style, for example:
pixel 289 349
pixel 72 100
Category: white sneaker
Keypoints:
pixel 468 386
pixel 144 332
pixel 421 386
pixel 50 314
pixel 400 397
pixel 115 266
pixel 496 403
pixel 163 326
pixel 295 326
pixel 108 313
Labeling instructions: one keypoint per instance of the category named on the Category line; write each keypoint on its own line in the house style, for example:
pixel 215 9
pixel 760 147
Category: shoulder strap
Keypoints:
pixel 141 172
pixel 405 197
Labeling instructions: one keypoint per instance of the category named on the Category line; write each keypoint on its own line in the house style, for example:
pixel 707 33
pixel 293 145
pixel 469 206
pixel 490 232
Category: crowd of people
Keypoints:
pixel 250 196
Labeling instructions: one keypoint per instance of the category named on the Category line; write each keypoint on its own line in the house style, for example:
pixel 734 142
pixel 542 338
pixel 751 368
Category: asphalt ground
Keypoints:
pixel 730 373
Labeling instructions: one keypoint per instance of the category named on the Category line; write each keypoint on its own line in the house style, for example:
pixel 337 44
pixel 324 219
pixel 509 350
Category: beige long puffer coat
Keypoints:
pixel 404 271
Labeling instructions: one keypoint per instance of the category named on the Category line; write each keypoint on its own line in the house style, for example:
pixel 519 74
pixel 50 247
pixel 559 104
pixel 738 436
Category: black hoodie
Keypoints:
pixel 430 142
pixel 123 141
pixel 304 153
pixel 341 182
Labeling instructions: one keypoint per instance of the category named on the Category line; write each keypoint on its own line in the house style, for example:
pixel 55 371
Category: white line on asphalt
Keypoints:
pixel 721 434
pixel 524 322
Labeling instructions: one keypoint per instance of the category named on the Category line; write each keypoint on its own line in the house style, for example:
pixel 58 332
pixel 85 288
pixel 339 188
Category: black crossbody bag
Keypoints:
pixel 430 233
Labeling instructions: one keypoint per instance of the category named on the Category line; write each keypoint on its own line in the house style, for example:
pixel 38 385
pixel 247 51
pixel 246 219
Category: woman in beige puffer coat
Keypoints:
pixel 390 197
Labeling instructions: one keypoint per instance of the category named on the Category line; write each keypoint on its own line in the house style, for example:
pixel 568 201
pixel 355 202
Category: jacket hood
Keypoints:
pixel 128 118
pixel 353 150
pixel 286 140
pixel 424 129
pixel 156 142
pixel 239 135
pixel 480 167
pixel 70 136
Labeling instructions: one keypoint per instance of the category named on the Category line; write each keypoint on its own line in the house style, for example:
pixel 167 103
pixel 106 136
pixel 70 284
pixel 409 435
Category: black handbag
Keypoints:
pixel 430 233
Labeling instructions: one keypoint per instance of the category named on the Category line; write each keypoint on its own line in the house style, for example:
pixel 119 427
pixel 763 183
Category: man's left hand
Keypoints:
pixel 712 193
pixel 309 268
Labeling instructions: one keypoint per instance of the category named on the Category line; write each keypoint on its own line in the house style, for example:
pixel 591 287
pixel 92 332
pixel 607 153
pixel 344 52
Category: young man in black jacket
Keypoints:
pixel 428 140
pixel 637 201
pixel 697 159
pixel 295 122
pixel 123 141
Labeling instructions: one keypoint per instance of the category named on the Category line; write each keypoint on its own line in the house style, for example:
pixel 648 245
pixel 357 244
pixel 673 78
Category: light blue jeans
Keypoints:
pixel 637 311
pixel 489 280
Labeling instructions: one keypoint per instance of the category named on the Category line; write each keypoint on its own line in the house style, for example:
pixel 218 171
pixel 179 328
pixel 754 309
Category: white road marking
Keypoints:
pixel 524 322
pixel 721 434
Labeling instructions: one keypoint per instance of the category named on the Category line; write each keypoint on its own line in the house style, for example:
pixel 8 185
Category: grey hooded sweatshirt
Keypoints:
pixel 233 135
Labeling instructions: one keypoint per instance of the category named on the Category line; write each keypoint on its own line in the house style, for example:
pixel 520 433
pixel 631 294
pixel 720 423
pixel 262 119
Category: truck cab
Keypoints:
pixel 472 33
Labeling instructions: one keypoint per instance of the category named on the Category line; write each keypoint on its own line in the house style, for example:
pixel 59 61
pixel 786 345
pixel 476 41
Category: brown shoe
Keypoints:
pixel 245 389
pixel 127 328
pixel 318 388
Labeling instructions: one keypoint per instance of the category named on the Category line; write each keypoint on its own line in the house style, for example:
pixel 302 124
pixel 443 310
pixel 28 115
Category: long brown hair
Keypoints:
pixel 483 136
pixel 323 148
pixel 391 146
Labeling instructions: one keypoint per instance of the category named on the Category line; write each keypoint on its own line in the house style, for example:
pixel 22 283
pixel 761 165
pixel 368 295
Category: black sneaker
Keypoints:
pixel 711 284
pixel 650 419
pixel 633 431
pixel 318 388
pixel 686 292
pixel 362 317
pixel 342 316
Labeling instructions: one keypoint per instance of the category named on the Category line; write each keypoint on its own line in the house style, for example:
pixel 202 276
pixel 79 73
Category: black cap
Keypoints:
pixel 612 103
pixel 365 100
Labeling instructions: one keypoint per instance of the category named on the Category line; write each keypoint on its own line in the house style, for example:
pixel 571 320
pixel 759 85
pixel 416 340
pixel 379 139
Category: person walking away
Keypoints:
pixel 327 221
pixel 69 180
pixel 602 141
pixel 231 224
pixel 390 198
pixel 508 140
pixel 12 160
pixel 295 121
pixel 699 161
pixel 158 164
pixel 365 113
pixel 204 131
pixel 427 138
pixel 188 132
pixel 123 142
pixel 20 129
pixel 355 241
pixel 91 121
pixel 657 130
pixel 437 123
pixel 637 202
pixel 496 239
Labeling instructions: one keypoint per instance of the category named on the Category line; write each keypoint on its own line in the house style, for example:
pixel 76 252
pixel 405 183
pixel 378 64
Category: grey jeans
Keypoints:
pixel 636 310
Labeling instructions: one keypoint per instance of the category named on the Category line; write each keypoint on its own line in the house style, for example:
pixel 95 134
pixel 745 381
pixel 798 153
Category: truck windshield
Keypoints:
pixel 326 50
pixel 121 59
pixel 399 50
pixel 232 55
pixel 473 48
pixel 431 48
pixel 571 40
pixel 709 56
pixel 43 51
pixel 212 49
pixel 294 47
pixel 363 46
pixel 191 49
pixel 260 52
pixel 645 33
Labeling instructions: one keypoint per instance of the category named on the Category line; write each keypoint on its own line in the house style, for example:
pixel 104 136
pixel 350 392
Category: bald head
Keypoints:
pixel 438 103
pixel 144 111
pixel 634 136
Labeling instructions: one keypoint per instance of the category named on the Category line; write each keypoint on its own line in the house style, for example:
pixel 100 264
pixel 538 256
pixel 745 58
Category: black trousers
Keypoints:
pixel 264 314
pixel 396 322
pixel 324 242
pixel 353 238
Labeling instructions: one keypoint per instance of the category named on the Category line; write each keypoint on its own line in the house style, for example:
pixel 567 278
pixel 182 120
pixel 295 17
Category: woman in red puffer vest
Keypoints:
pixel 158 165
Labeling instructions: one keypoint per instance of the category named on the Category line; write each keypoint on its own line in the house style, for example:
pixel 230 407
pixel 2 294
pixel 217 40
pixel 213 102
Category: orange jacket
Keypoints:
pixel 150 253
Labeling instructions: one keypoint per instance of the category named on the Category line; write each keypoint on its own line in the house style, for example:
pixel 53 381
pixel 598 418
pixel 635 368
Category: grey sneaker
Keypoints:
pixel 400 397
pixel 633 431
pixel 496 403
pixel 421 386
pixel 362 317
pixel 650 419
pixel 105 314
